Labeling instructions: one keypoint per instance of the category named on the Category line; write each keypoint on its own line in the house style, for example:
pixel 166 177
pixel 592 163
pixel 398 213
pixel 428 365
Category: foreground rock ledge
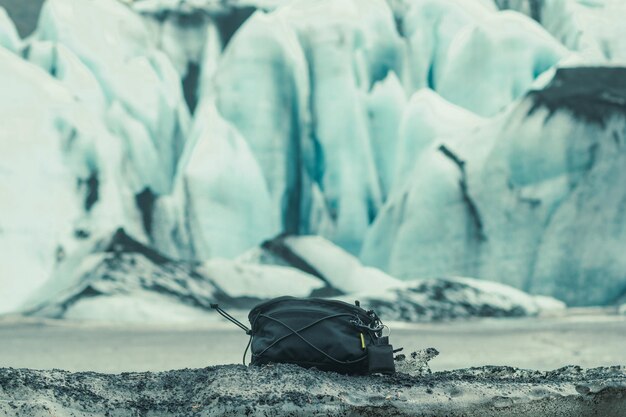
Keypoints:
pixel 288 390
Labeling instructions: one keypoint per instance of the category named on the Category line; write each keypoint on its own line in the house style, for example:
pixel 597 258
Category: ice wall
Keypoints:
pixel 401 131
pixel 140 85
pixel 92 119
pixel 220 206
pixel 529 199
pixel 316 62
pixel 319 92
pixel 60 181
pixel 263 92
pixel 593 28
pixel 321 101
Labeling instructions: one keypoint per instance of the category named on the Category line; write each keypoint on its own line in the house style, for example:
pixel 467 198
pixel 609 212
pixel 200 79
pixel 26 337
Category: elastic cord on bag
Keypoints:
pixel 297 333
pixel 230 318
pixel 245 352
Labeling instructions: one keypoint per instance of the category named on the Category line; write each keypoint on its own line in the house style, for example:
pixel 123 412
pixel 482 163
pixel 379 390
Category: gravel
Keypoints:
pixel 283 390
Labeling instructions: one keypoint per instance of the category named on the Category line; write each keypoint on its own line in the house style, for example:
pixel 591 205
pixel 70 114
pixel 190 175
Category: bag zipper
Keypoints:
pixel 360 311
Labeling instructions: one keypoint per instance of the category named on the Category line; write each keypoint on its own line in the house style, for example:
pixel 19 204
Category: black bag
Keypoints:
pixel 311 332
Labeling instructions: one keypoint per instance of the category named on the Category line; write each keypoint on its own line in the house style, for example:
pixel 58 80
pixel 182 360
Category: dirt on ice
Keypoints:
pixel 282 390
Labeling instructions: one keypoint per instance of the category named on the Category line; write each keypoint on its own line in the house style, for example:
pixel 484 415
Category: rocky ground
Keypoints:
pixel 592 339
pixel 289 390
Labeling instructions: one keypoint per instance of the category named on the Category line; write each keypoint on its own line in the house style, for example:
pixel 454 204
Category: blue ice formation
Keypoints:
pixel 430 137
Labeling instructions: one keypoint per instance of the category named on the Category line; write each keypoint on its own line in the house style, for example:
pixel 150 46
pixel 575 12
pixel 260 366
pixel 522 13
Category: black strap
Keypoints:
pixel 297 333
pixel 245 352
pixel 230 318
pixel 243 327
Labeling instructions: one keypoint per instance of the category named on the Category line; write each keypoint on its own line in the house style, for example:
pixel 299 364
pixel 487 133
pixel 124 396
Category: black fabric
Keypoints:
pixel 380 359
pixel 325 334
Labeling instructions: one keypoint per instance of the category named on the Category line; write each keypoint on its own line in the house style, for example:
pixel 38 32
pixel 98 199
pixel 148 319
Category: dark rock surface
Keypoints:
pixel 592 94
pixel 119 264
pixel 289 390
pixel 532 8
pixel 443 299
pixel 24 14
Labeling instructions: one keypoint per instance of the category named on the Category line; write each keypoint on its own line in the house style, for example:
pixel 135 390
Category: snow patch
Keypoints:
pixel 136 308
pixel 239 279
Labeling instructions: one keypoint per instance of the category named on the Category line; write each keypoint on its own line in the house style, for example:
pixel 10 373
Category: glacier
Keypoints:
pixel 427 139
pixel 473 56
pixel 386 109
pixel 509 200
pixel 322 59
pixel 220 205
pixel 131 71
pixel 9 38
pixel 593 28
pixel 80 176
pixel 262 92
pixel 301 150
pixel 59 172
